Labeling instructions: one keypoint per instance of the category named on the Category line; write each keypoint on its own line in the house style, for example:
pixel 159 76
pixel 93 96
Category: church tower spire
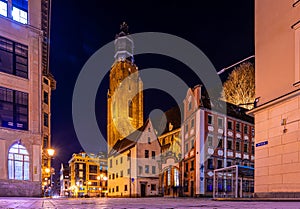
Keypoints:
pixel 124 44
pixel 125 94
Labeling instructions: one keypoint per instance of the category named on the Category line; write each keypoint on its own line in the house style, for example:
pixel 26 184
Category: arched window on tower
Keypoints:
pixel 18 162
pixel 130 109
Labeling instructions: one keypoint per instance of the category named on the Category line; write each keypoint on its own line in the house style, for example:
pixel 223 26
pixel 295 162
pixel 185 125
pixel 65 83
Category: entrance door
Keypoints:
pixel 143 190
pixel 192 188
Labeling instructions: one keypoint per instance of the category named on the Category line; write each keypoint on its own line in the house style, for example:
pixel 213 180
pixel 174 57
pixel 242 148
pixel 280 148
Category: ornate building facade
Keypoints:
pixel 25 95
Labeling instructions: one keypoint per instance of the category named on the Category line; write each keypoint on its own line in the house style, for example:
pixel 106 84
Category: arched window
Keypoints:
pixel 130 109
pixel 18 162
pixel 176 177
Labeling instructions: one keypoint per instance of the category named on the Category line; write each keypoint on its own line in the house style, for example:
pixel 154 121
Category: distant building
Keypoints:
pixel 133 164
pixel 64 180
pixel 86 177
pixel 211 140
pixel 277 113
pixel 25 96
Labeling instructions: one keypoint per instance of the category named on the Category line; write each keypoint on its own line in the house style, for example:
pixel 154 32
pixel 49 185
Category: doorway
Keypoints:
pixel 143 190
pixel 192 188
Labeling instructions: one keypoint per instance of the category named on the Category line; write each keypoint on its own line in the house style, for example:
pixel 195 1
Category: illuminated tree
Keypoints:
pixel 239 89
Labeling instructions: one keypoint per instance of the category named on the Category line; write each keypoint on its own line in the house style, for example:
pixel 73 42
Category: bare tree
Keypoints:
pixel 239 89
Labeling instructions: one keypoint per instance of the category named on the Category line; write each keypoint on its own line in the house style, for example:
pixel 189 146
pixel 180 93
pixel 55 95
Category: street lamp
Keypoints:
pixel 50 152
pixel 100 178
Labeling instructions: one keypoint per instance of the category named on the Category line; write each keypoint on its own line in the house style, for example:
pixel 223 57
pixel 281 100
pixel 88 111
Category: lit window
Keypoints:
pixel 18 163
pixel 176 177
pixel 19 12
pixel 3 8
pixel 19 15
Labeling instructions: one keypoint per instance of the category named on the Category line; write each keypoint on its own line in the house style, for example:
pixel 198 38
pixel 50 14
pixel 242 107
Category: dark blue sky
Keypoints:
pixel 223 30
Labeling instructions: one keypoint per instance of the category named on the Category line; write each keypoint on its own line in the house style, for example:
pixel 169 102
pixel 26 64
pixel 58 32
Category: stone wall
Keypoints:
pixel 20 188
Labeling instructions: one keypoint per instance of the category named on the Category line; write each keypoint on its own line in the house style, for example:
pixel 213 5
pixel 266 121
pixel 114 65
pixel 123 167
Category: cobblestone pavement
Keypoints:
pixel 138 203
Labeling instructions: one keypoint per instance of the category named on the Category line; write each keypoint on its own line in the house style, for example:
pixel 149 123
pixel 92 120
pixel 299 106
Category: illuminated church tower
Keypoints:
pixel 125 94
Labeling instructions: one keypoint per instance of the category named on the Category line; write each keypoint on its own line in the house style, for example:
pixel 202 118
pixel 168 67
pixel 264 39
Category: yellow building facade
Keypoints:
pixel 88 175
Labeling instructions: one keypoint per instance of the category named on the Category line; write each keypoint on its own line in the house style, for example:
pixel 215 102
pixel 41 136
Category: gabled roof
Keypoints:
pixel 129 141
pixel 173 116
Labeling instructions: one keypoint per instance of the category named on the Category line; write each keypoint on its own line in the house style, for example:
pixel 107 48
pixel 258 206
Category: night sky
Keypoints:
pixel 223 30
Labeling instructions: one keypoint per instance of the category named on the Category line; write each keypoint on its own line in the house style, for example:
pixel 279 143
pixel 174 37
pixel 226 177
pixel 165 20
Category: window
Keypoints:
pixel 220 143
pixel 252 131
pixel 13 58
pixel 229 163
pixel 192 123
pixel 46 97
pixel 169 177
pixel 146 153
pixel 237 146
pixel 192 143
pixel 46 119
pixel 238 127
pixel 128 171
pixel 109 177
pixel 113 176
pixel 186 167
pixel 245 129
pixel 149 129
pixel 229 125
pixel 220 123
pixel 113 190
pixel 19 11
pixel 117 188
pixel 125 188
pixel 80 174
pixel 220 163
pixel 190 105
pixel 13 109
pixel 46 81
pixel 140 169
pixel 210 164
pixel 229 144
pixel 18 162
pixel 210 119
pixel 186 147
pixel 121 160
pixel 186 129
pixel 93 168
pixel 149 140
pixel 210 141
pixel 153 187
pixel 45 142
pixel 209 185
pixel 192 165
pixel 146 168
pixel 117 175
pixel 153 155
pixel 130 109
pixel 116 161
pixel 80 166
pixel 3 7
pixel 121 174
pixel 176 177
pixel 153 170
pixel 110 163
pixel 246 147
pixel 252 149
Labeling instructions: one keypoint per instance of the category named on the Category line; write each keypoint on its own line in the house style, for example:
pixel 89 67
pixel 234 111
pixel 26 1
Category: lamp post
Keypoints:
pixel 51 152
pixel 100 178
